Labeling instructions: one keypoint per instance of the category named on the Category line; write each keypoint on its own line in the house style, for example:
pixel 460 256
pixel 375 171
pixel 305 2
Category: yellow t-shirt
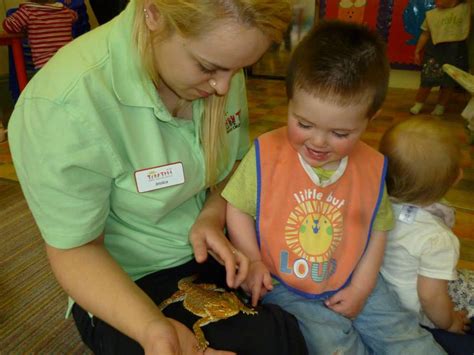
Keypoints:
pixel 241 192
pixel 448 25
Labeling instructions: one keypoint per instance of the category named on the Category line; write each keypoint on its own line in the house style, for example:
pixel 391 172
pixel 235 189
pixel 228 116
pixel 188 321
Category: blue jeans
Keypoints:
pixel 383 326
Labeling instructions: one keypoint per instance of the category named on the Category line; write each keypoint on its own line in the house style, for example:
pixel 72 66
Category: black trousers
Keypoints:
pixel 272 331
pixel 105 10
pixel 453 343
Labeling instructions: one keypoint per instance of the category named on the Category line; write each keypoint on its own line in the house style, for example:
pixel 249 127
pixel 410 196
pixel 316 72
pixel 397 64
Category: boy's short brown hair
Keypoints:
pixel 424 160
pixel 342 62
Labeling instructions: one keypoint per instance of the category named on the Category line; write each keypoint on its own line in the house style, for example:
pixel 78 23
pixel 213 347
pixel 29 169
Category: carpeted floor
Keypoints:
pixel 32 304
pixel 6 167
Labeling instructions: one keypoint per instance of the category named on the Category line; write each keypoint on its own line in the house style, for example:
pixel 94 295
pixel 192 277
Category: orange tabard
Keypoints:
pixel 312 237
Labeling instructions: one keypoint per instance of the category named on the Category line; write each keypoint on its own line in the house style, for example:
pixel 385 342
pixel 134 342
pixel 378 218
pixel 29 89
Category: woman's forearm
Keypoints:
pixel 96 282
pixel 215 205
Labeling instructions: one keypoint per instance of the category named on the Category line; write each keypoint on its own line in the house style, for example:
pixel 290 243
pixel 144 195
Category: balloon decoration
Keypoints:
pixel 413 17
pixel 397 21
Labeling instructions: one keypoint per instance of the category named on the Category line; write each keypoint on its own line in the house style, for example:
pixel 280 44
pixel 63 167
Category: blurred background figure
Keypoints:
pixel 47 24
pixel 105 10
pixel 443 41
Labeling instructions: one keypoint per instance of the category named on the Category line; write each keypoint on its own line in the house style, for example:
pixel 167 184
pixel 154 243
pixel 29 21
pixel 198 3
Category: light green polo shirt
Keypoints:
pixel 85 124
pixel 241 192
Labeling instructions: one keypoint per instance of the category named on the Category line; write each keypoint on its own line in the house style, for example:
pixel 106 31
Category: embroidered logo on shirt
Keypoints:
pixel 232 121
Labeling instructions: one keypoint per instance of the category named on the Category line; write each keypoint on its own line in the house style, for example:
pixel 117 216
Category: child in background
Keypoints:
pixel 106 10
pixel 422 252
pixel 48 25
pixel 318 195
pixel 443 41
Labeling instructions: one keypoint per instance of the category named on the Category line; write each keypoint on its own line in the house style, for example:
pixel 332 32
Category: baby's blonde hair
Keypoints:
pixel 191 19
pixel 424 160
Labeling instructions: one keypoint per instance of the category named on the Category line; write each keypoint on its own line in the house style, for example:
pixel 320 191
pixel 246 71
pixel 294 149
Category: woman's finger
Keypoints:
pixel 243 264
pixel 256 289
pixel 228 256
pixel 198 242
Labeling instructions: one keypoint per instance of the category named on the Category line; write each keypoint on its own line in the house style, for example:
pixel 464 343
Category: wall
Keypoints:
pixel 7 4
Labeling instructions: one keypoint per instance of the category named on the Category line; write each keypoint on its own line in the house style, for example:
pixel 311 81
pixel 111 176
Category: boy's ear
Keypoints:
pixel 152 16
pixel 375 114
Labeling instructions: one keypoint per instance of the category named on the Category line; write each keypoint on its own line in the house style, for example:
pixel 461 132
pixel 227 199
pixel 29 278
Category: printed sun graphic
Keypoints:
pixel 314 230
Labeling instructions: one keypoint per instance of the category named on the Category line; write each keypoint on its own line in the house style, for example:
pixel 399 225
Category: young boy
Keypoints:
pixel 319 199
pixel 48 25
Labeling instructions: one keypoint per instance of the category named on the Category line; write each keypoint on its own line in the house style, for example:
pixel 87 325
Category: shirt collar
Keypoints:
pixel 132 85
pixel 315 178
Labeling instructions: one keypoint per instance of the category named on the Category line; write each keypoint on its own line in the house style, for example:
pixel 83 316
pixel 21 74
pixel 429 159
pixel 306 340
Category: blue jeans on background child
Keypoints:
pixel 383 326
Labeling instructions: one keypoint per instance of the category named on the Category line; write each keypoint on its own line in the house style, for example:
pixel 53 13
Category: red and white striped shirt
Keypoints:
pixel 49 27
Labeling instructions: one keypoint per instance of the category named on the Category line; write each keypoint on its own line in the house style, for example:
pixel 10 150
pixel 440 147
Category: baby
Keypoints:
pixel 422 252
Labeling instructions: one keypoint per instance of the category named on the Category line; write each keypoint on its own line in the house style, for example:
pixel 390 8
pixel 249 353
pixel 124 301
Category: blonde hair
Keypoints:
pixel 190 19
pixel 424 160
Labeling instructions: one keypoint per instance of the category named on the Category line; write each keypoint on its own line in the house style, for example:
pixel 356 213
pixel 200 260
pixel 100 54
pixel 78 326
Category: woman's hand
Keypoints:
pixel 207 235
pixel 174 338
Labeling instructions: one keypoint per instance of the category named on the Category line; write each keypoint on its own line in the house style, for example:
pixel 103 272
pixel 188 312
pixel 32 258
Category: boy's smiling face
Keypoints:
pixel 324 132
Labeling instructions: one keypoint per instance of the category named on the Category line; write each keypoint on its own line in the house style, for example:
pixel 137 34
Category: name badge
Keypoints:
pixel 159 177
pixel 408 214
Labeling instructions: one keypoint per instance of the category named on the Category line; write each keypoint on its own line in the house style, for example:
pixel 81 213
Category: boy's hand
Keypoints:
pixel 461 323
pixel 258 282
pixel 348 302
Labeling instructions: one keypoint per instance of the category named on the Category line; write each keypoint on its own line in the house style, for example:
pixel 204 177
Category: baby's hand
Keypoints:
pixel 461 323
pixel 258 281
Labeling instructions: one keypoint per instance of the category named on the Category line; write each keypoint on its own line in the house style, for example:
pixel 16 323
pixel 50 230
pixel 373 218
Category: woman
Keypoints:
pixel 121 144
